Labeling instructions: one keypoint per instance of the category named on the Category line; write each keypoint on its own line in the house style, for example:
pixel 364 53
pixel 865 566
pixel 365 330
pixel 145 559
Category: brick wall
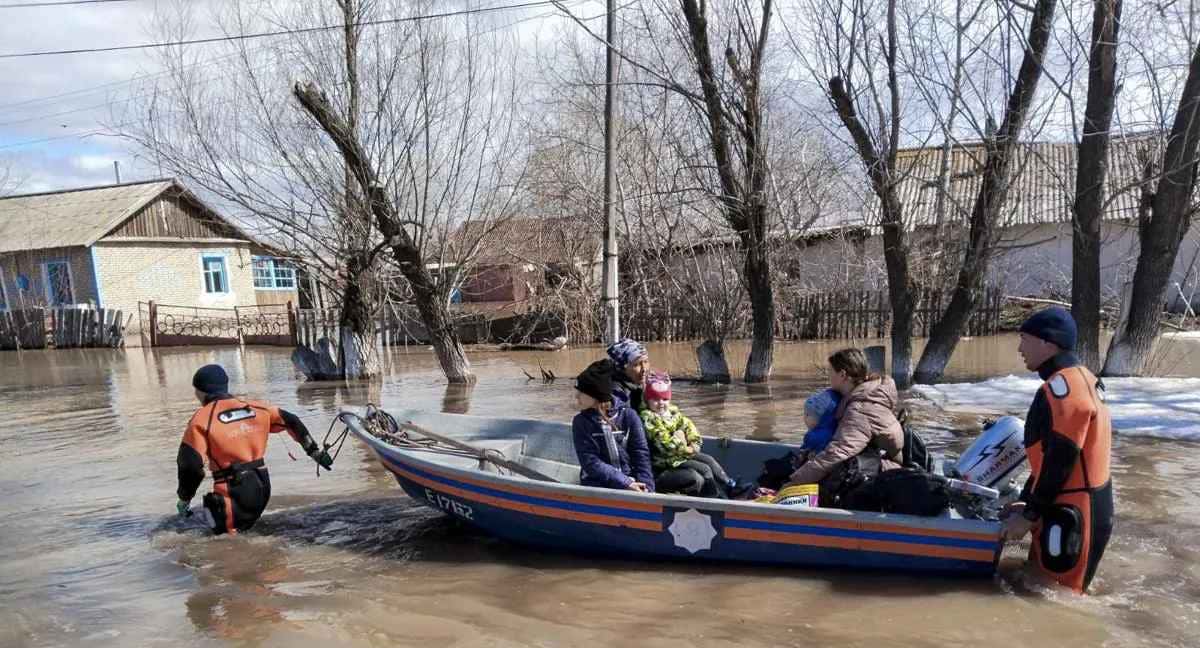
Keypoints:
pixel 171 273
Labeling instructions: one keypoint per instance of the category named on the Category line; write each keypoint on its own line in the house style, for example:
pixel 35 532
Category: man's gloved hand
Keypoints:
pixel 183 508
pixel 322 458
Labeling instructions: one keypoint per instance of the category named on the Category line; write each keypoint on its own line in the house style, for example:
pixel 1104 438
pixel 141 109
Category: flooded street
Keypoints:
pixel 90 554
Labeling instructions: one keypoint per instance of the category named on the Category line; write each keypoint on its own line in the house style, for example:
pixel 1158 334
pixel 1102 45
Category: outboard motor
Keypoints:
pixel 986 470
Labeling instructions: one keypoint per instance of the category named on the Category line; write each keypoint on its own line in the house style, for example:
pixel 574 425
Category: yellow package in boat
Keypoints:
pixel 798 495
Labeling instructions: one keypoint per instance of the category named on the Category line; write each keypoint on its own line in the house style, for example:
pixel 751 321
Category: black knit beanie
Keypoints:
pixel 596 381
pixel 1054 325
pixel 211 379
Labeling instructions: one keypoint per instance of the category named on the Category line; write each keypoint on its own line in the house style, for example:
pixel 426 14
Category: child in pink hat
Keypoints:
pixel 679 466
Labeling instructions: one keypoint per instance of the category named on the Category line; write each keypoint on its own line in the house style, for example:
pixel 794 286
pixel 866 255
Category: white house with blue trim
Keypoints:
pixel 118 246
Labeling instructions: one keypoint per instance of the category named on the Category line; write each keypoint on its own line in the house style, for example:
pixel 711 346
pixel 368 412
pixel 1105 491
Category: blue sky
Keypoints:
pixel 31 108
pixel 55 111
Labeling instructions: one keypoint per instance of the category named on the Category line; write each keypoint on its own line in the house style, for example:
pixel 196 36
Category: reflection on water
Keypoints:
pixel 91 555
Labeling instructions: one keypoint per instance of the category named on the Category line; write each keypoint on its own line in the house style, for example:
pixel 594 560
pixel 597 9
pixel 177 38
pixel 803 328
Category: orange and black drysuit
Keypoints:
pixel 1069 497
pixel 231 434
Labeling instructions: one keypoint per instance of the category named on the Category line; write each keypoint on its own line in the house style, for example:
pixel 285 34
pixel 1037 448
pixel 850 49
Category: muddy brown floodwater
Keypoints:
pixel 89 555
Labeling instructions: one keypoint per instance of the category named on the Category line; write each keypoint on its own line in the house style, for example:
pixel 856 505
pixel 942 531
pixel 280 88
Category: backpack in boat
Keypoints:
pixel 776 472
pixel 849 476
pixel 910 491
pixel 915 453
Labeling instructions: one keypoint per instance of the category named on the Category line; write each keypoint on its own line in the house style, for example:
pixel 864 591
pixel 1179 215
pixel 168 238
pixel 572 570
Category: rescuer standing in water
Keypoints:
pixel 230 434
pixel 1068 500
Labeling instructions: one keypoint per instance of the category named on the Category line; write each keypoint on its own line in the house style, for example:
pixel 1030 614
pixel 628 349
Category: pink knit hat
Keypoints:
pixel 658 387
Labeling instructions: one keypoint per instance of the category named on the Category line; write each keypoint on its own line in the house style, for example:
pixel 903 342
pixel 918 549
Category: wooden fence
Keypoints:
pixel 313 324
pixel 853 314
pixel 61 328
pixel 664 325
pixel 858 314
pixel 23 329
pixel 394 327
pixel 87 327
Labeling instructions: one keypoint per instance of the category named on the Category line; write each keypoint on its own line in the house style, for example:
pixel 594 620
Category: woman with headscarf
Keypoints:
pixel 631 364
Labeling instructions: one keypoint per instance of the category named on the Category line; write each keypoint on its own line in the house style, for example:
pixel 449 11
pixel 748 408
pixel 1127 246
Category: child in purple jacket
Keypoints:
pixel 611 446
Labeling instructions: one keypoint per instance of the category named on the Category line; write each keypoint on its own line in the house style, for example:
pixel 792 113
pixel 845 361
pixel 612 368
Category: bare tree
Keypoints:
pixel 1163 221
pixel 878 154
pixel 1087 210
pixel 884 89
pixel 993 192
pixel 733 105
pixel 419 134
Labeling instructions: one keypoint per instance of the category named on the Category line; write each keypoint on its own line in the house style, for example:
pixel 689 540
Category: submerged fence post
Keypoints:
pixel 876 358
pixel 153 323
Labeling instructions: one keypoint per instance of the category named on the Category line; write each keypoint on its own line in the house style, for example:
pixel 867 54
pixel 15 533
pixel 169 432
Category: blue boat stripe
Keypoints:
pixel 860 534
pixel 526 499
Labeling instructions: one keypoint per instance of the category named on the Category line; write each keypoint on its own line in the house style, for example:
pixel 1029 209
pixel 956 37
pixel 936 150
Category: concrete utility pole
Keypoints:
pixel 611 305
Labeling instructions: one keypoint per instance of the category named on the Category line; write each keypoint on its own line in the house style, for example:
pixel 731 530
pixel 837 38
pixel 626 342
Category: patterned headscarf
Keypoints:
pixel 625 352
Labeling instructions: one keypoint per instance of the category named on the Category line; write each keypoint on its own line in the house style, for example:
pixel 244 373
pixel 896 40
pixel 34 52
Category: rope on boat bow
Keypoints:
pixel 386 428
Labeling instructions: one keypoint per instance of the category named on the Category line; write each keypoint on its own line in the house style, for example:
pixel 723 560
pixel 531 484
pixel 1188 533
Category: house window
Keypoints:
pixel 58 283
pixel 273 274
pixel 215 277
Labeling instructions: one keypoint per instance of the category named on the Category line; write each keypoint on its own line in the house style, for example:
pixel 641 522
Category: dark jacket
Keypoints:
pixel 626 393
pixel 595 465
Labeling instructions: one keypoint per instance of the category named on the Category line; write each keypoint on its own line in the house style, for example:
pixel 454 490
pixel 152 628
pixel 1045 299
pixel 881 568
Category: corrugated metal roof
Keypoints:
pixel 70 218
pixel 1043 184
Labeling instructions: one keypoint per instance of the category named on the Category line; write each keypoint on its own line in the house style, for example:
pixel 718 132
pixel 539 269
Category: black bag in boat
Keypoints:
pixel 847 477
pixel 915 453
pixel 906 490
pixel 776 472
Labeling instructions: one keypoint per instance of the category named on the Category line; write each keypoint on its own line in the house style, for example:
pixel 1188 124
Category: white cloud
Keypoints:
pixel 90 163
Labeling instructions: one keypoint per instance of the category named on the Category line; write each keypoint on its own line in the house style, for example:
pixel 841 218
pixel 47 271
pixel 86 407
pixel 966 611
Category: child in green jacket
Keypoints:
pixel 679 466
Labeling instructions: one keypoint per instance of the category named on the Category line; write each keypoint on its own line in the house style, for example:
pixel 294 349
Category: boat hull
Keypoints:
pixel 630 525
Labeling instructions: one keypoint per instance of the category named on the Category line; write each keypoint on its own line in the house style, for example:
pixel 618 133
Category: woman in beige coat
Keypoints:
pixel 866 419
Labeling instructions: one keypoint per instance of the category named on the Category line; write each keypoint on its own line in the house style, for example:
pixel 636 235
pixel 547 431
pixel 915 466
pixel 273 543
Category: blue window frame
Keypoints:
pixel 273 274
pixel 57 277
pixel 216 277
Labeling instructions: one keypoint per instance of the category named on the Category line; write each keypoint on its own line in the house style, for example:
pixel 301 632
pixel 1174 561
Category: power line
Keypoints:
pixel 4 108
pixel 21 5
pixel 113 131
pixel 103 86
pixel 286 32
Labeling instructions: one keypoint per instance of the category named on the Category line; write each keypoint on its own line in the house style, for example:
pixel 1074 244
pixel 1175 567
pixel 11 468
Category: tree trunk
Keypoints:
pixel 993 192
pixel 901 293
pixel 741 194
pixel 1090 177
pixel 881 169
pixel 433 308
pixel 358 356
pixel 1160 235
pixel 762 305
pixel 714 368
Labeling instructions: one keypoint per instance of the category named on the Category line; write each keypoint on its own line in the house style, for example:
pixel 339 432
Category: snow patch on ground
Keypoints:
pixel 1165 408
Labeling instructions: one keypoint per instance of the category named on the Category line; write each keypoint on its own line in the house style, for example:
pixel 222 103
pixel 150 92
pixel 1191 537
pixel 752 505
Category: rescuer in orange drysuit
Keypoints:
pixel 230 434
pixel 1068 501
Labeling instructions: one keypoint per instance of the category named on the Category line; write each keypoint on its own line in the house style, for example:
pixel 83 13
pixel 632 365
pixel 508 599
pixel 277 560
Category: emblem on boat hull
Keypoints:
pixel 692 530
